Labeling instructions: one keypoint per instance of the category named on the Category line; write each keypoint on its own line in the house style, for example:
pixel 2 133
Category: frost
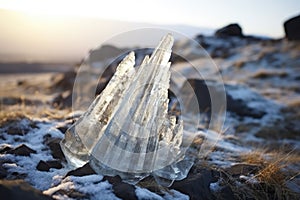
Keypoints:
pixel 144 194
pixel 91 186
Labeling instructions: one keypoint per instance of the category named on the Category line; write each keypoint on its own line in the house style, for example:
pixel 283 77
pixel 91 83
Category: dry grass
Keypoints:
pixel 268 74
pixel 292 110
pixel 270 182
pixel 294 103
pixel 10 116
pixel 255 157
pixel 271 174
pixel 239 64
pixel 18 112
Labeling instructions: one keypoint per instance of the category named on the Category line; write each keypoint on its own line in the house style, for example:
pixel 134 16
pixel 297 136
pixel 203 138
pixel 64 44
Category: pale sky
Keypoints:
pixel 65 30
pixel 263 17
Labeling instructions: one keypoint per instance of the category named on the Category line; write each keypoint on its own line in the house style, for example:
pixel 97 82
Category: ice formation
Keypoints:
pixel 127 130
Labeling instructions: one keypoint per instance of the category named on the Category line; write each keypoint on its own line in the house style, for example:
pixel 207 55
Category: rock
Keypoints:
pixel 202 90
pixel 46 165
pixel 225 193
pixel 202 93
pixel 55 148
pixel 18 175
pixel 220 52
pixel 4 149
pixel 42 166
pixel 150 184
pixel 105 52
pixel 82 171
pixel 16 131
pixel 21 150
pixel 230 30
pixel 62 129
pixel 21 82
pixel 3 171
pixel 19 189
pixel 283 130
pixel 63 100
pixel 196 185
pixel 122 190
pixel 64 81
pixel 292 28
pixel 20 126
pixel 201 40
pixel 240 108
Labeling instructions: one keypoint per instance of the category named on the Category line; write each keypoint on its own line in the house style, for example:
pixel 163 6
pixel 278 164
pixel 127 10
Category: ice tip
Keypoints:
pixel 131 56
pixel 168 38
pixel 166 42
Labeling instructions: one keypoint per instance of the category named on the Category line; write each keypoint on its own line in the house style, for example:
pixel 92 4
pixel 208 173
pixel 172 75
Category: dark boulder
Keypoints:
pixel 21 150
pixel 82 171
pixel 197 184
pixel 292 28
pixel 19 189
pixel 121 189
pixel 204 90
pixel 47 165
pixel 240 108
pixel 54 146
pixel 17 131
pixel 230 30
pixel 62 128
pixel 5 148
pixel 224 193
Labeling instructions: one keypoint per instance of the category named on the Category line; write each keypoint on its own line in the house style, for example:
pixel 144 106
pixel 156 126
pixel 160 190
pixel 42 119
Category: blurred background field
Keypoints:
pixel 43 44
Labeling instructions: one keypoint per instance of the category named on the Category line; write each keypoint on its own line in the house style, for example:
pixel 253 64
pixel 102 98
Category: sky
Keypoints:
pixel 263 17
pixel 257 17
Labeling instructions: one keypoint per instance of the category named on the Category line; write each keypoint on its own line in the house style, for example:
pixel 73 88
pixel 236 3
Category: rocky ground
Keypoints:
pixel 256 156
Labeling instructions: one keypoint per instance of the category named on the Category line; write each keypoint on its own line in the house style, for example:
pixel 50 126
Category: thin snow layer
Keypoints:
pixel 91 186
pixel 255 100
pixel 144 194
pixel 54 183
pixel 215 186
pixel 27 165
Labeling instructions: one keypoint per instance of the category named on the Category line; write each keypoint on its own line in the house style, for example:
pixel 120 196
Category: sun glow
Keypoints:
pixel 48 29
pixel 108 9
pixel 51 7
pixel 129 10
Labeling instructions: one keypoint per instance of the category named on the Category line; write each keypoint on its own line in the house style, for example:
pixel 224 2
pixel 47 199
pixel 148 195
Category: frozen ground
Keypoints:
pixel 261 76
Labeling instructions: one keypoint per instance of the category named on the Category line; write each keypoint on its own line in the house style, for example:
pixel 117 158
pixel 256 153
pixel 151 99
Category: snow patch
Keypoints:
pixel 90 186
pixel 215 187
pixel 144 194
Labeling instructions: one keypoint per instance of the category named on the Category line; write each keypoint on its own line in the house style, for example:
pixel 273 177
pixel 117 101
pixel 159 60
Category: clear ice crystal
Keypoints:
pixel 127 130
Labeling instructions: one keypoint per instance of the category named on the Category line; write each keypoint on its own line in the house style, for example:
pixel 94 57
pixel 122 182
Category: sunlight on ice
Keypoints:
pixel 127 130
